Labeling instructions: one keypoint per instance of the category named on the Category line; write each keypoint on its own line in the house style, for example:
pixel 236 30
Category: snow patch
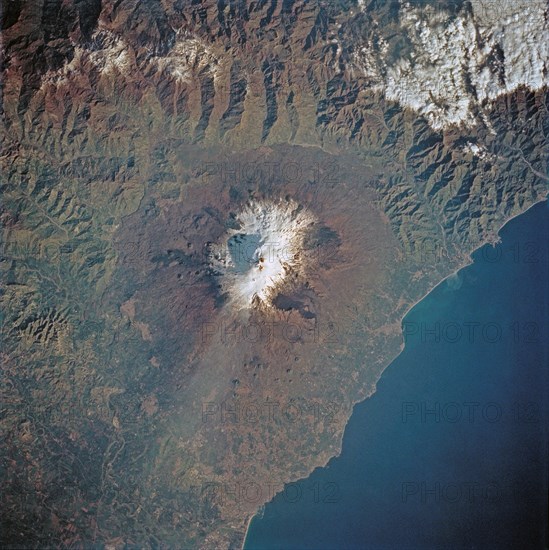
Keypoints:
pixel 188 57
pixel 112 55
pixel 259 256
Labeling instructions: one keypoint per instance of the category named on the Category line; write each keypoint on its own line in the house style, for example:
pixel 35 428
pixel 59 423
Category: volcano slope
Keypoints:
pixel 263 383
pixel 148 397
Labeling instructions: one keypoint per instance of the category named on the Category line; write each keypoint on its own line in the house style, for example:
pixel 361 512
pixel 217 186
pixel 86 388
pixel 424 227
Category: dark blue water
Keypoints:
pixel 451 451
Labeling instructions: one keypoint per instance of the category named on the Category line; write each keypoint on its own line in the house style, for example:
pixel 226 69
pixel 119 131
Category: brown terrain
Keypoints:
pixel 136 404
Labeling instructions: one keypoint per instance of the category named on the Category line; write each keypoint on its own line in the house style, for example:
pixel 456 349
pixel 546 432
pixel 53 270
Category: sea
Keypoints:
pixel 452 449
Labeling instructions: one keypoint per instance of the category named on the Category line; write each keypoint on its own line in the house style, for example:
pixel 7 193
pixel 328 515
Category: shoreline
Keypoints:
pixel 470 260
pixel 248 523
pixel 466 263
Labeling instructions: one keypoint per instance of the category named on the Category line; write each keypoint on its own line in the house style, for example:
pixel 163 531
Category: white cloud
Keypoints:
pixel 459 62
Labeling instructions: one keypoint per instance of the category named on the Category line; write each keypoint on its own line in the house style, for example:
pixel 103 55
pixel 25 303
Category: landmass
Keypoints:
pixel 142 404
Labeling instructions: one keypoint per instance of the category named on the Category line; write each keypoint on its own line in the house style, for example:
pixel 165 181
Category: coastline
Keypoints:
pixel 248 523
pixel 466 263
pixel 470 260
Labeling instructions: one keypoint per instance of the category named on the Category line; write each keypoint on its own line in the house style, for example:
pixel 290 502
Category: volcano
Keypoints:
pixel 264 254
